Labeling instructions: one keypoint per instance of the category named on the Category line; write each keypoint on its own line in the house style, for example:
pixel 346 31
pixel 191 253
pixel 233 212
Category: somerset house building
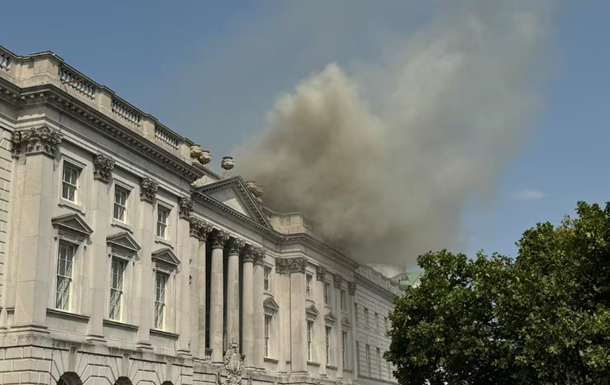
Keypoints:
pixel 125 260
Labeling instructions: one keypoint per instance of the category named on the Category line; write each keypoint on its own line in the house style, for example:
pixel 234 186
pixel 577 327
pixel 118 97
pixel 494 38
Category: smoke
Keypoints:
pixel 384 158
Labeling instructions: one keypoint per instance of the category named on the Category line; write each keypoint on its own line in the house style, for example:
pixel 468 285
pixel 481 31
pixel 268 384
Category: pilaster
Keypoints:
pixel 298 334
pixel 183 308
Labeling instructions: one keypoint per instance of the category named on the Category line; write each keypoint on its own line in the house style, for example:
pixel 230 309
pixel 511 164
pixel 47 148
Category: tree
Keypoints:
pixel 540 318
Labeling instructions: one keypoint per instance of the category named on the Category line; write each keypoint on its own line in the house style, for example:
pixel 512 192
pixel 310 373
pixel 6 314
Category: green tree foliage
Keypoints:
pixel 540 318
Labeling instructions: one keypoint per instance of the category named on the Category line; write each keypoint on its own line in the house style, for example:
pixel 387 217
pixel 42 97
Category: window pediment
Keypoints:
pixel 165 259
pixel 330 317
pixel 271 307
pixel 311 311
pixel 123 242
pixel 345 322
pixel 72 227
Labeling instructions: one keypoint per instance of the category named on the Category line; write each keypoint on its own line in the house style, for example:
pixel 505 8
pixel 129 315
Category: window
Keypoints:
pixel 377 321
pixel 309 340
pixel 267 335
pixel 345 349
pixel 267 275
pixel 368 359
pixel 160 283
pixel 65 263
pixel 120 203
pixel 327 293
pixel 308 279
pixel 366 317
pixel 116 288
pixel 162 217
pixel 356 311
pixel 328 330
pixel 385 321
pixel 358 357
pixel 69 182
pixel 343 302
pixel 378 363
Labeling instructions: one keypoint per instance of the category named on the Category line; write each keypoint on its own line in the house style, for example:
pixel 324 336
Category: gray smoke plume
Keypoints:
pixel 385 158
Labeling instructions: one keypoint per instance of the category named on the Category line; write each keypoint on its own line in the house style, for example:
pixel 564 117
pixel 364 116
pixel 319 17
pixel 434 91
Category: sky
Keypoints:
pixel 212 71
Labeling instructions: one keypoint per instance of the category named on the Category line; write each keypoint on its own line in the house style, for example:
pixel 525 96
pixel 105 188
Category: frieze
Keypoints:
pixel 320 273
pixel 338 281
pixel 42 140
pixel 186 207
pixel 148 190
pixel 103 166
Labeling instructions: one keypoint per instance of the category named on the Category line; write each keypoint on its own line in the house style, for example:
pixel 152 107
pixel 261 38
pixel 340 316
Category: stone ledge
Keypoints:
pixel 122 325
pixel 66 314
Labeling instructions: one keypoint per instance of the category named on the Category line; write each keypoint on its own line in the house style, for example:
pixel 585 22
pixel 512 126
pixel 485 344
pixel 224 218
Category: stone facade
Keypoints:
pixel 125 260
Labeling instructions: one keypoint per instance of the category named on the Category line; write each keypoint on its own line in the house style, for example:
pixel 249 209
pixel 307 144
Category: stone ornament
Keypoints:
pixel 102 167
pixel 351 287
pixel 200 155
pixel 282 265
pixel 256 190
pixel 338 281
pixel 320 273
pixel 233 365
pixel 247 255
pixel 42 140
pixel 236 245
pixel 199 229
pixel 148 190
pixel 186 207
pixel 227 164
pixel 258 253
pixel 220 239
pixel 298 265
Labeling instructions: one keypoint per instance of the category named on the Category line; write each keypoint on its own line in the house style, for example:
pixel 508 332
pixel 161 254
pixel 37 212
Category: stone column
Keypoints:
pixel 36 237
pixel 298 326
pixel 199 231
pixel 217 296
pixel 235 247
pixel 337 328
pixel 248 308
pixel 351 287
pixel 100 214
pixel 146 280
pixel 320 323
pixel 258 325
pixel 183 309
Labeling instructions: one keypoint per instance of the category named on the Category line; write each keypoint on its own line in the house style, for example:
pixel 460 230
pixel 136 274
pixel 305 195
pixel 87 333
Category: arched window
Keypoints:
pixel 69 378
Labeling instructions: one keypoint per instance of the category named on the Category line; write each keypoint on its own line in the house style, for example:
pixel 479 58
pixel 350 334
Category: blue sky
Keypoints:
pixel 212 70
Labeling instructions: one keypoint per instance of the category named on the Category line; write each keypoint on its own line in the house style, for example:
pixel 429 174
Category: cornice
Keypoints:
pixel 365 282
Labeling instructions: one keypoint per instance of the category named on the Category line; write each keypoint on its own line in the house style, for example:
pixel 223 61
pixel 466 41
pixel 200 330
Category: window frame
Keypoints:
pixel 267 335
pixel 345 348
pixel 121 300
pixel 327 293
pixel 308 285
pixel 125 218
pixel 267 278
pixel 162 325
pixel 163 208
pixel 328 342
pixel 70 297
pixel 343 300
pixel 310 338
pixel 78 170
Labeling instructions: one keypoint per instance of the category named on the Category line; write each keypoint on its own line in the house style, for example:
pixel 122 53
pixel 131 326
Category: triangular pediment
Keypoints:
pixel 311 310
pixel 233 193
pixel 330 317
pixel 166 255
pixel 270 305
pixel 72 222
pixel 345 322
pixel 124 240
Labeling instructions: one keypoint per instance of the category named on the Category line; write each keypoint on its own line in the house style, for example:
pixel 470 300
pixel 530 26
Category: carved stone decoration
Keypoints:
pixel 186 207
pixel 236 245
pixel 195 226
pixel 258 253
pixel 204 231
pixel 227 164
pixel 220 239
pixel 247 254
pixel 148 190
pixel 338 281
pixel 298 265
pixel 200 155
pixel 233 365
pixel 282 265
pixel 37 140
pixel 256 190
pixel 320 273
pixel 103 166
pixel 351 287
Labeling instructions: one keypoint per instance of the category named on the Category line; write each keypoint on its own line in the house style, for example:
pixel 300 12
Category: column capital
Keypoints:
pixel 148 189
pixel 351 287
pixel 236 245
pixel 199 229
pixel 258 254
pixel 103 166
pixel 186 207
pixel 338 281
pixel 220 239
pixel 38 140
pixel 298 265
pixel 320 273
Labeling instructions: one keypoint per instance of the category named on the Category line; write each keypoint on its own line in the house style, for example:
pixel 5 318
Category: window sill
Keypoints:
pixel 67 314
pixel 163 333
pixel 348 370
pixel 313 363
pixel 331 367
pixel 164 241
pixel 71 205
pixel 122 225
pixel 272 360
pixel 119 324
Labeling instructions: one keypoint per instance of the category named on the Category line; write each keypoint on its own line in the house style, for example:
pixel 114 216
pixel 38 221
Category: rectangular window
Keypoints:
pixel 343 301
pixel 309 340
pixel 116 288
pixel 378 363
pixel 267 275
pixel 65 263
pixel 385 321
pixel 267 335
pixel 327 293
pixel 69 182
pixel 120 203
pixel 356 311
pixel 328 329
pixel 377 321
pixel 308 279
pixel 160 284
pixel 162 218
pixel 368 359
pixel 366 317
pixel 345 347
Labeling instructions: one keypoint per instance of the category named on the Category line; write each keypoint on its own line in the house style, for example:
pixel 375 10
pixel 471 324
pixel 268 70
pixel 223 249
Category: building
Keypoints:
pixel 125 260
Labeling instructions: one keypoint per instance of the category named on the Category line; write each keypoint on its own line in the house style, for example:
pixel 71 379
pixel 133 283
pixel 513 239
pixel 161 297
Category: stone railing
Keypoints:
pixel 72 79
pixel 167 137
pixel 126 112
pixel 5 61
